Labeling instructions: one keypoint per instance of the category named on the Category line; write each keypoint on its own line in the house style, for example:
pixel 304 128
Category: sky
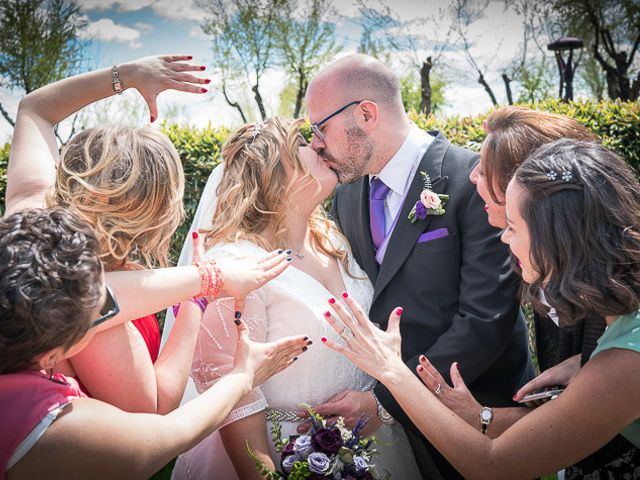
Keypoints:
pixel 121 31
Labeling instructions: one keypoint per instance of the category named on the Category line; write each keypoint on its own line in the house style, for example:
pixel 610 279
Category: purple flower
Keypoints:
pixel 360 465
pixel 303 446
pixel 287 450
pixel 421 211
pixel 327 440
pixel 287 463
pixel 319 463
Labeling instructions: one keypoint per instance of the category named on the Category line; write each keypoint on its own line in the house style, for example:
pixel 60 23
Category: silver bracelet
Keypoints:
pixel 116 83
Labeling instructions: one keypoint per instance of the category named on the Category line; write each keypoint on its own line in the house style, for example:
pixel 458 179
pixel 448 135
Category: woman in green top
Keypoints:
pixel 573 214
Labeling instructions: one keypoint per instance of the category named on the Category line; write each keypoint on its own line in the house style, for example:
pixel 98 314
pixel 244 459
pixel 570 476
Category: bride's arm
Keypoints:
pixel 252 431
pixel 34 151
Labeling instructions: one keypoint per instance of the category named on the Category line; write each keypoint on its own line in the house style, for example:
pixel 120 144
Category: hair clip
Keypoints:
pixel 257 128
pixel 552 175
pixel 567 175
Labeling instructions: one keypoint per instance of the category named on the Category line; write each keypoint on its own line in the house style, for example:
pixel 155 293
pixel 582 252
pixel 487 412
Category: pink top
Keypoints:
pixel 29 403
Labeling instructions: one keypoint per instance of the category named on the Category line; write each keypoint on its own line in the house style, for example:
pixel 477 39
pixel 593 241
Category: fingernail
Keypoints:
pixel 288 251
pixel 309 342
pixel 345 294
pixel 515 396
pixel 202 68
pixel 153 119
pixel 304 349
pixel 420 368
pixel 204 90
pixel 237 322
pixel 289 259
pixel 295 359
pixel 332 300
pixel 399 311
pixel 237 314
pixel 324 339
pixel 327 314
pixel 423 358
pixel 194 235
pixel 207 80
pixel 280 251
pixel 305 338
pixel 189 57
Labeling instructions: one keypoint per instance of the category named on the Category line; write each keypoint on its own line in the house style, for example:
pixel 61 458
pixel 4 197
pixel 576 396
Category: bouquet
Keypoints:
pixel 326 451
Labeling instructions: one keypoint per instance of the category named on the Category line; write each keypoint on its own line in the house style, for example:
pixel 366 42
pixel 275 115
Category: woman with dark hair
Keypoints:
pixel 53 296
pixel 573 224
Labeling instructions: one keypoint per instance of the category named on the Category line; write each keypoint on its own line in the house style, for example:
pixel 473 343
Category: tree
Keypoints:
pixel 383 31
pixel 612 29
pixel 244 34
pixel 411 91
pixel 39 43
pixel 306 41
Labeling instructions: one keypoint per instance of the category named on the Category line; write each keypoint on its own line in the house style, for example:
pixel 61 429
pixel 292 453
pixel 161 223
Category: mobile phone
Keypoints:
pixel 547 394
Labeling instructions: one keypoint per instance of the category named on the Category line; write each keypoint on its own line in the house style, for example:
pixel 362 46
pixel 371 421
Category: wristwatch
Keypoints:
pixel 116 83
pixel 486 415
pixel 384 416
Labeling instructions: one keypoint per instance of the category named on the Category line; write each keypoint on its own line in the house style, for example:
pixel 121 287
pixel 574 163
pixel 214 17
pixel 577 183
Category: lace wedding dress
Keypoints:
pixel 292 304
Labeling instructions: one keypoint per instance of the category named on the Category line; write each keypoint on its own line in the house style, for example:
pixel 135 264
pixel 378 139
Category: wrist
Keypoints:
pixel 126 72
pixel 394 375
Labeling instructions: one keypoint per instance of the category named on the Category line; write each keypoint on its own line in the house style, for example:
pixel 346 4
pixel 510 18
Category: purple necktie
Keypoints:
pixel 377 193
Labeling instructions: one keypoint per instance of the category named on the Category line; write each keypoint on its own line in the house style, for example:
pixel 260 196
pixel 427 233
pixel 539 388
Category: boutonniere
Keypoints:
pixel 429 203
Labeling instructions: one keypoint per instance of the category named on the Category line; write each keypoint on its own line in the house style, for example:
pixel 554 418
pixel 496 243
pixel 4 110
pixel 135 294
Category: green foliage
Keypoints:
pixel 412 97
pixel 616 123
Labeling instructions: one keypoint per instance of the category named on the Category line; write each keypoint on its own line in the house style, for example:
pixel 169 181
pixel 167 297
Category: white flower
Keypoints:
pixel 430 199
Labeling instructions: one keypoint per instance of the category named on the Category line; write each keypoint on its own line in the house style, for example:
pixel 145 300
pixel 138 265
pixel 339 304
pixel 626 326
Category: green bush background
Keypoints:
pixel 616 123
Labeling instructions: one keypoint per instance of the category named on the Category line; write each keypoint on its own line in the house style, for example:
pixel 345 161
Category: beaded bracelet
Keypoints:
pixel 211 281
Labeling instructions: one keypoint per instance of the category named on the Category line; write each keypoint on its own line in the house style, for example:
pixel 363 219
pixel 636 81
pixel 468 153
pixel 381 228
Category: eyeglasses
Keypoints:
pixel 315 127
pixel 109 310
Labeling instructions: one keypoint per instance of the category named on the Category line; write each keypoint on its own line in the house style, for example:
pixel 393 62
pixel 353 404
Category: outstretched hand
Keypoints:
pixel 263 360
pixel 458 398
pixel 153 75
pixel 370 348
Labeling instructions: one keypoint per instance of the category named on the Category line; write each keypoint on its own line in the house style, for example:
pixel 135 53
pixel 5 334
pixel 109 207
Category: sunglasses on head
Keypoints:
pixel 109 310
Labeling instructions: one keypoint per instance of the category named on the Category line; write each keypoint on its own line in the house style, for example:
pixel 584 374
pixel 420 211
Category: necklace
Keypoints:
pixel 297 253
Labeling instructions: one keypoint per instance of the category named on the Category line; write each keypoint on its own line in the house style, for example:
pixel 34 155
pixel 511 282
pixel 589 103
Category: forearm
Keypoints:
pixel 503 418
pixel 144 292
pixel 173 364
pixel 251 430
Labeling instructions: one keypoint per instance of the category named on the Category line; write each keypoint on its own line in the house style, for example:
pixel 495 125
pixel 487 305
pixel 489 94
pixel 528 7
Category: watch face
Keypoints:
pixel 486 415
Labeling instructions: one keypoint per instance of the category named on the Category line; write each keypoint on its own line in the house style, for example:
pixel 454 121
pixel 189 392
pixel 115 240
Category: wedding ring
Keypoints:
pixel 346 334
pixel 438 390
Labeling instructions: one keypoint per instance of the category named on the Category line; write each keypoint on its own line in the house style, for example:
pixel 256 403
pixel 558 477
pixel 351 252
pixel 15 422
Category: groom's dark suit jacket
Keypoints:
pixel 458 292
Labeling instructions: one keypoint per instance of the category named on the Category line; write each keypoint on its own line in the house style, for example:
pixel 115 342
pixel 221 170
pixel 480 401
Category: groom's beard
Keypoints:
pixel 353 163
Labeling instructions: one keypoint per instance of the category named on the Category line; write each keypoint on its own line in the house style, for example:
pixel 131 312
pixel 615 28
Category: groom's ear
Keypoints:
pixel 369 115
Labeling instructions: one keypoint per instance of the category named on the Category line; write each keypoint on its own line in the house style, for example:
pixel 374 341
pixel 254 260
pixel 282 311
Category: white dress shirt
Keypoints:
pixel 399 172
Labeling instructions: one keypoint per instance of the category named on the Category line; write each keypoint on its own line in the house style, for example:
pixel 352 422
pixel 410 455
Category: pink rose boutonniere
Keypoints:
pixel 430 202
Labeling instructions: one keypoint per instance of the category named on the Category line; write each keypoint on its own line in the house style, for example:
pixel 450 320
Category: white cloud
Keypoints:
pixel 143 27
pixel 170 9
pixel 197 33
pixel 106 30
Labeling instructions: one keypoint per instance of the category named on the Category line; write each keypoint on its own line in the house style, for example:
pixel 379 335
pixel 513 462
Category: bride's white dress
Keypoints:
pixel 292 304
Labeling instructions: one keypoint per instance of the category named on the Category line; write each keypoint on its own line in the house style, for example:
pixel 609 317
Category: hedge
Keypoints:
pixel 616 123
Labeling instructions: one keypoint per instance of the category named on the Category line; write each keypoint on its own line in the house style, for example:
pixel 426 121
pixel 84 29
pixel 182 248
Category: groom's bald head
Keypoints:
pixel 357 77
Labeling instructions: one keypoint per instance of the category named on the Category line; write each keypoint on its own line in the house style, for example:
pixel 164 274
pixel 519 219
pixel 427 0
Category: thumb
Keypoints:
pixel 243 330
pixel 456 378
pixel 198 249
pixel 394 321
pixel 153 108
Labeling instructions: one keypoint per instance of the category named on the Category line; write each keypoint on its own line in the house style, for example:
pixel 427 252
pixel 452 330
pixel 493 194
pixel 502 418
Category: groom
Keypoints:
pixel 449 272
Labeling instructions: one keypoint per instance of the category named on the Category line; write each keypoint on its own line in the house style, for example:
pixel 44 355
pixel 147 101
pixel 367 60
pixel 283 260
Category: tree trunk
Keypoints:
pixel 302 89
pixel 6 116
pixel 507 87
pixel 487 88
pixel 425 86
pixel 635 89
pixel 258 97
pixel 235 105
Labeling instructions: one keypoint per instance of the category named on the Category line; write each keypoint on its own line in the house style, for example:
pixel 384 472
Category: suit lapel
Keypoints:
pixel 405 234
pixel 359 199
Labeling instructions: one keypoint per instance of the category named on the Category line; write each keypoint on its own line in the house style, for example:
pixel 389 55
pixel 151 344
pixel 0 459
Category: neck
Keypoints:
pixel 392 138
pixel 297 225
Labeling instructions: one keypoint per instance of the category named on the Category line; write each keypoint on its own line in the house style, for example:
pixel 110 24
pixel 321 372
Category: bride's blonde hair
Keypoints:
pixel 253 195
pixel 127 183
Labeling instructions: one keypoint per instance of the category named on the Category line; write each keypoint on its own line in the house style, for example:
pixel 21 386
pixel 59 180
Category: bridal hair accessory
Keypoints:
pixel 429 203
pixel 566 175
pixel 257 128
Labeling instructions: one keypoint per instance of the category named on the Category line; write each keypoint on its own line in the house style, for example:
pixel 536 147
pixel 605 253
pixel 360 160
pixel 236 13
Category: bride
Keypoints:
pixel 268 194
